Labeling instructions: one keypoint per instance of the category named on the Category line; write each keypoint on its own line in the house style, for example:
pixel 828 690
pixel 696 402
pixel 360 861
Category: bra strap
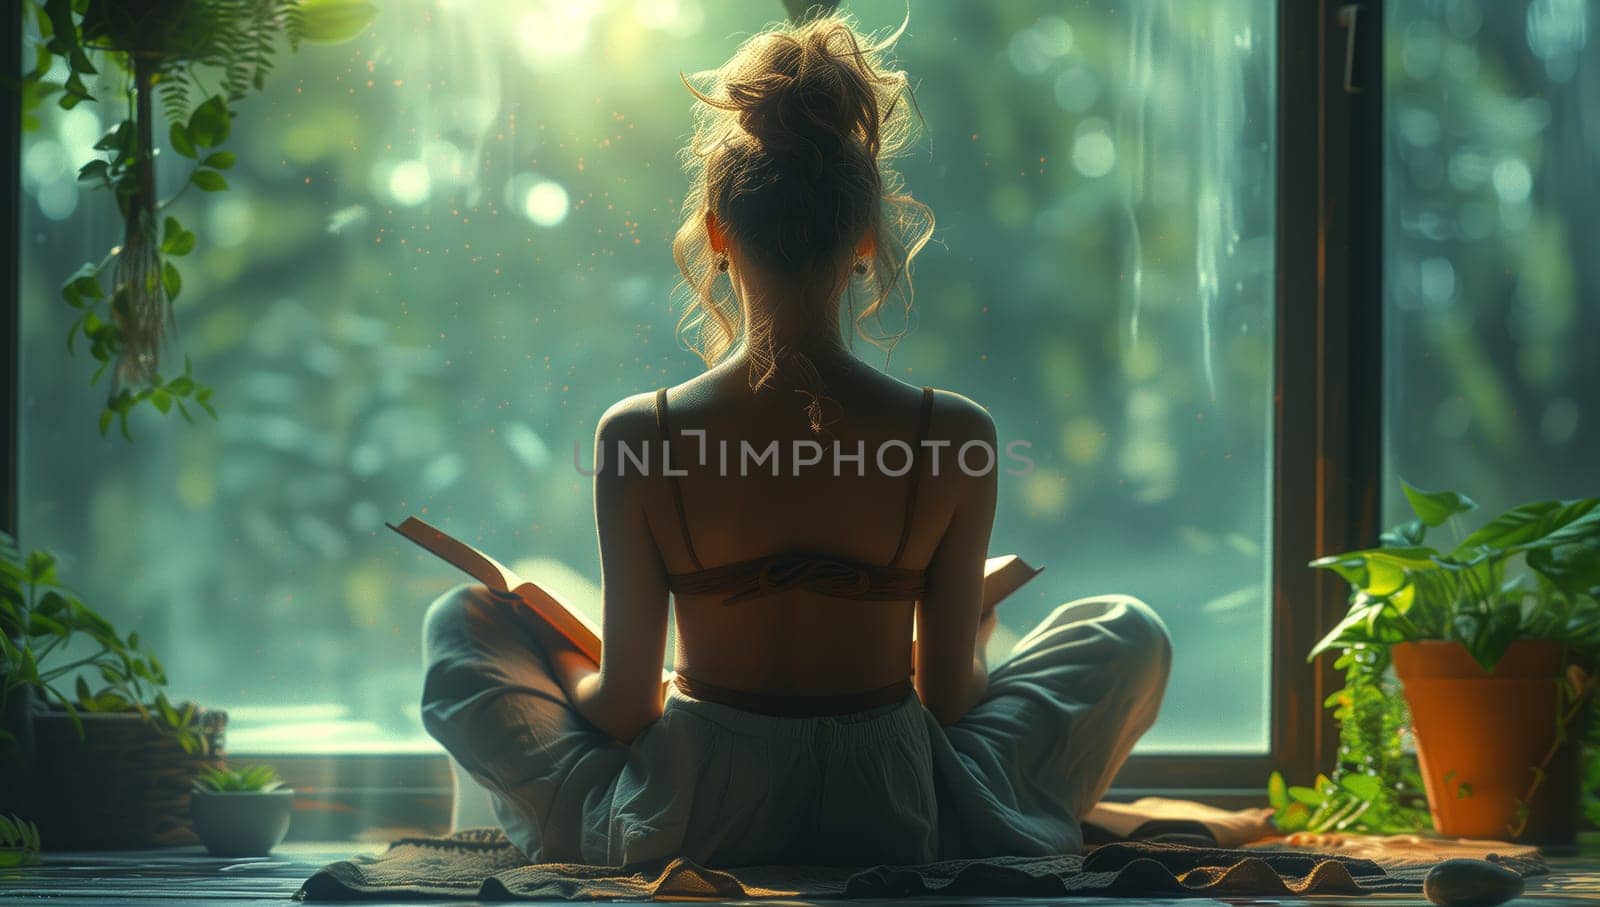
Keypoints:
pixel 677 489
pixel 916 476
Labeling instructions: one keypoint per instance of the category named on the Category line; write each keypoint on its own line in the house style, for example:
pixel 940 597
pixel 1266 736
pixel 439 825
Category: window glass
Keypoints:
pixel 446 251
pixel 1493 286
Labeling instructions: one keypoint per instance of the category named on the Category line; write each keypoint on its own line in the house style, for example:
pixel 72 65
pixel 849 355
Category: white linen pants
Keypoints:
pixel 726 787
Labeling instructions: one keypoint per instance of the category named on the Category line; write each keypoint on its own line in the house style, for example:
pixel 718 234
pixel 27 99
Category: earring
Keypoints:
pixel 861 266
pixel 722 262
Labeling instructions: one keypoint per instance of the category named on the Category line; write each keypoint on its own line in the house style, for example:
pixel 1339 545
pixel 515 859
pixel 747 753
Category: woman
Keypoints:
pixel 803 725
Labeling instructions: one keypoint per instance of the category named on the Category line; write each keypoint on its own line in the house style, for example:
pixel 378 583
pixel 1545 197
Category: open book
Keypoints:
pixel 1002 576
pixel 581 631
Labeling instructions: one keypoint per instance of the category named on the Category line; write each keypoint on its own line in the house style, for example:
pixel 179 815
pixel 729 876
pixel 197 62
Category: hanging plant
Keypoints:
pixel 194 59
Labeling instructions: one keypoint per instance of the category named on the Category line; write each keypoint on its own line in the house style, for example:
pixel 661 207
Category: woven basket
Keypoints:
pixel 125 785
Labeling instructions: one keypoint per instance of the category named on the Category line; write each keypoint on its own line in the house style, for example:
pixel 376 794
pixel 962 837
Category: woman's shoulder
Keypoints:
pixel 631 419
pixel 958 418
pixel 955 417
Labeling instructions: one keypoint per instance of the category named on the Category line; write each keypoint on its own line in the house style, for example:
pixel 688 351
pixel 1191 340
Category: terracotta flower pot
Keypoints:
pixel 1481 737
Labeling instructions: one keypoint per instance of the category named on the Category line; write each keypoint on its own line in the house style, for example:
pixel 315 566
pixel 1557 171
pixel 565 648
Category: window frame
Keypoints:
pixel 1327 431
pixel 1328 390
pixel 10 263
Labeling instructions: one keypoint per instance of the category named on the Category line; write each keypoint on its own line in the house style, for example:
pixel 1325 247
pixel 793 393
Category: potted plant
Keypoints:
pixel 19 842
pixel 241 813
pixel 111 765
pixel 1495 642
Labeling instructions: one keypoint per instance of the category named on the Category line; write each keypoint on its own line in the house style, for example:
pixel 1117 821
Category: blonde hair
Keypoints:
pixel 791 149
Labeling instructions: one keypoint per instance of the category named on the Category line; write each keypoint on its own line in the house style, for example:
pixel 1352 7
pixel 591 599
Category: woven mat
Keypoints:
pixel 480 863
pixel 1397 851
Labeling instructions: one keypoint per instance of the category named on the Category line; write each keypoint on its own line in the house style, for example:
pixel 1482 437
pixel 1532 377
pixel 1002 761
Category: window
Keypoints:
pixel 445 252
pixel 1491 221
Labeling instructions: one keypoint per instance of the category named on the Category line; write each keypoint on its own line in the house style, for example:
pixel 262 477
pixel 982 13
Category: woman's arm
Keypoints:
pixel 623 697
pixel 950 672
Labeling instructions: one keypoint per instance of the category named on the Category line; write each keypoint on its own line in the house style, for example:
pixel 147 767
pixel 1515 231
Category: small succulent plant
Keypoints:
pixel 250 778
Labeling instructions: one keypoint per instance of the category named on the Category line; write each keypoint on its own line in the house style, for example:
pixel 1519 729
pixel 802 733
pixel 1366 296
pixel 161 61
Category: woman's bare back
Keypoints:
pixel 735 509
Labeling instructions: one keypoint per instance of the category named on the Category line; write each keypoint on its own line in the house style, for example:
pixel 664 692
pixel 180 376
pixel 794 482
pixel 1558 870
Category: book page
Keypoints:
pixel 569 622
pixel 578 629
pixel 1003 576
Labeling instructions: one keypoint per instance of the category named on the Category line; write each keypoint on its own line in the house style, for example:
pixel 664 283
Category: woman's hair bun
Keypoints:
pixel 792 151
pixel 811 89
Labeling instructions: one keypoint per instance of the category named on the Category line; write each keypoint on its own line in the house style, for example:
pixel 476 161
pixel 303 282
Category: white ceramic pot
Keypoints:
pixel 241 823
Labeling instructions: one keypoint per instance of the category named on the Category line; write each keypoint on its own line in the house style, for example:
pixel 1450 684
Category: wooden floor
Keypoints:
pixel 188 876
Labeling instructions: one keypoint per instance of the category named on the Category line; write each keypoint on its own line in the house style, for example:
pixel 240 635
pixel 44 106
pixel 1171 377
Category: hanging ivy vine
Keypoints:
pixel 195 59
pixel 1375 787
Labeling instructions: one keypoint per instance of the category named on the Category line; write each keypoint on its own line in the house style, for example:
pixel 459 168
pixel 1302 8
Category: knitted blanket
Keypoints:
pixel 482 864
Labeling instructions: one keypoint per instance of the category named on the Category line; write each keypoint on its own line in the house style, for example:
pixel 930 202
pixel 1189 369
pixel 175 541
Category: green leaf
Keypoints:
pixel 181 141
pixel 1574 569
pixel 1354 627
pixel 209 181
pixel 72 715
pixel 1277 792
pixel 1306 796
pixel 1366 787
pixel 42 625
pixel 119 139
pixel 40 568
pixel 171 280
pixel 105 421
pixel 176 240
pixel 27 669
pixel 1292 818
pixel 161 400
pixel 74 92
pixel 1494 633
pixel 1434 507
pixel 59 15
pixel 52 603
pixel 1353 567
pixel 209 124
pixel 334 21
pixel 222 160
pixel 1542 523
pixel 1379 571
pixel 1405 535
pixel 84 284
pixel 79 61
pixel 96 171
